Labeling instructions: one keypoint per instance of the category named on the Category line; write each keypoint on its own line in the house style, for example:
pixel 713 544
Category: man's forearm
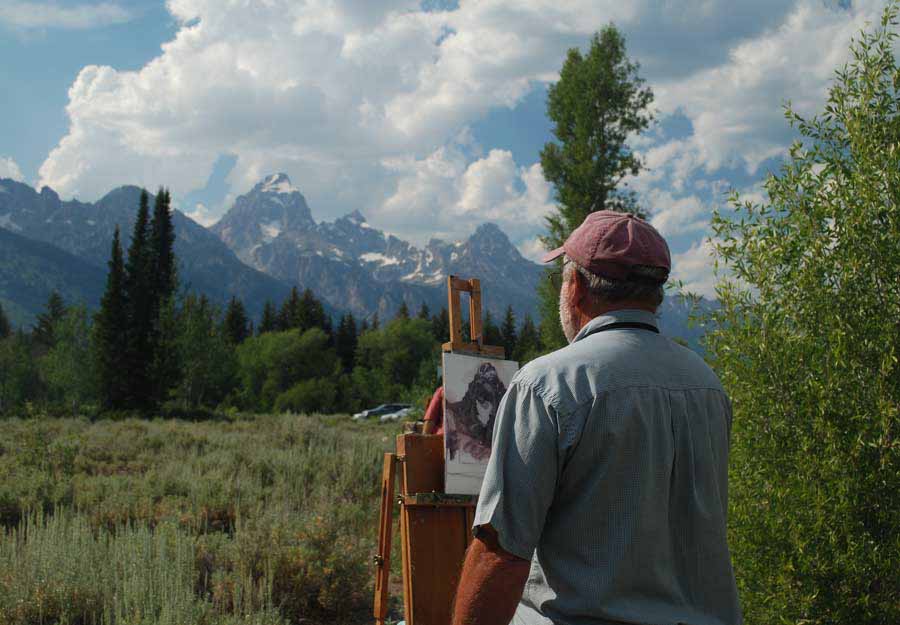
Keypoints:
pixel 491 583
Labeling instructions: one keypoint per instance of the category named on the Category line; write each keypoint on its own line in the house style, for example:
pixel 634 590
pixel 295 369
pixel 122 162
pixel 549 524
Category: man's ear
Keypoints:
pixel 578 289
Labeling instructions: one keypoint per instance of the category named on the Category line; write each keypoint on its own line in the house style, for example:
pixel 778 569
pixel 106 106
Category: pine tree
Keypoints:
pixel 111 334
pixel 424 312
pixel 5 327
pixel 363 326
pixel 235 325
pixel 162 242
pixel 403 311
pixel 375 321
pixel 346 340
pixel 597 104
pixel 490 333
pixel 440 326
pixel 528 345
pixel 508 332
pixel 289 313
pixel 142 310
pixel 269 321
pixel 311 313
pixel 46 321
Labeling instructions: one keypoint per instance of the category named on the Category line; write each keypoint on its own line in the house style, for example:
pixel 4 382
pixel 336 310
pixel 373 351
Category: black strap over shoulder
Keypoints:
pixel 625 325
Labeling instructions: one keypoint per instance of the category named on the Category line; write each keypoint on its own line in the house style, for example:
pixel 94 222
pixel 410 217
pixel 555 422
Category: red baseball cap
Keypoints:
pixel 610 244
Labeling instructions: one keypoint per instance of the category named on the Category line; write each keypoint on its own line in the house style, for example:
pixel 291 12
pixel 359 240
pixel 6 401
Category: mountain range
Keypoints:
pixel 265 244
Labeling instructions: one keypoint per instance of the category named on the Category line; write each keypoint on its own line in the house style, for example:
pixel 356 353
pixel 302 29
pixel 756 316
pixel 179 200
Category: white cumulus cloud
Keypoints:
pixel 9 169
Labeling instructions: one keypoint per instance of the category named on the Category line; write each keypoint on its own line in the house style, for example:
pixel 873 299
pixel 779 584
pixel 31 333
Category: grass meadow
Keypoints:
pixel 262 520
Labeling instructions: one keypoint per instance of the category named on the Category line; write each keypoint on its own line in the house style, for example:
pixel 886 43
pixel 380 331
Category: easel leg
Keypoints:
pixel 385 532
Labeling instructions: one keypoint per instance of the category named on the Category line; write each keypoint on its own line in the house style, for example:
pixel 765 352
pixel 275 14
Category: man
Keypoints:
pixel 605 496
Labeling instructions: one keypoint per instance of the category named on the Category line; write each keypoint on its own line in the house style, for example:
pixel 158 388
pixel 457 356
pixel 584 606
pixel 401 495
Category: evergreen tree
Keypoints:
pixel 508 332
pixel 345 341
pixel 162 242
pixel 288 315
pixel 5 327
pixel 490 333
pixel 269 321
pixel 111 334
pixel 363 326
pixel 598 102
pixel 43 334
pixel 440 326
pixel 528 345
pixel 424 312
pixel 311 313
pixel 166 364
pixel 403 311
pixel 141 308
pixel 375 321
pixel 235 325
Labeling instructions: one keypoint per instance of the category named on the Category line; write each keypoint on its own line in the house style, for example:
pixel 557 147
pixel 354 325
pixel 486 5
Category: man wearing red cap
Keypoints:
pixel 605 496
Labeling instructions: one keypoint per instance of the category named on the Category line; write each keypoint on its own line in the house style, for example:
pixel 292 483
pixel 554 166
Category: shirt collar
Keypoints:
pixel 632 315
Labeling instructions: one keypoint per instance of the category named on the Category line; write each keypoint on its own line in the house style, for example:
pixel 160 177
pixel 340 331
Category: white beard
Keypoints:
pixel 567 319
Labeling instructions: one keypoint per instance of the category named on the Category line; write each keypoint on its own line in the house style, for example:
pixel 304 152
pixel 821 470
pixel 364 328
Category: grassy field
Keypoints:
pixel 263 519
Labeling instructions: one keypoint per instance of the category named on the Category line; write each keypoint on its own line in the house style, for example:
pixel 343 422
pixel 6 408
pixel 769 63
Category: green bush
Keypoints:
pixel 308 396
pixel 806 341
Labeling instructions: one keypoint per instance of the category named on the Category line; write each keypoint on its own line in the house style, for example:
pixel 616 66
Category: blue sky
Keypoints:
pixel 428 117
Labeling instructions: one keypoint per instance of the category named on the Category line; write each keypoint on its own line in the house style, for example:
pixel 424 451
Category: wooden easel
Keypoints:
pixel 435 528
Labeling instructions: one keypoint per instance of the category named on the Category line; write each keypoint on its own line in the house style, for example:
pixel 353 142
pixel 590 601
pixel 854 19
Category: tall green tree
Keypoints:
pixel 597 104
pixel 5 326
pixel 403 311
pixel 508 334
pixel 528 345
pixel 162 248
pixel 490 333
pixel 44 330
pixel 806 342
pixel 236 325
pixel 139 294
pixel 111 334
pixel 440 326
pixel 269 321
pixel 424 312
pixel 345 341
pixel 289 313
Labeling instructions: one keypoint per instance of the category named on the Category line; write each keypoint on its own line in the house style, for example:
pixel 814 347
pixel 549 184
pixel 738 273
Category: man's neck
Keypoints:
pixel 585 316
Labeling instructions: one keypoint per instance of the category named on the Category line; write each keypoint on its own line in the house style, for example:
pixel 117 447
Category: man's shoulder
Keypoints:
pixel 579 371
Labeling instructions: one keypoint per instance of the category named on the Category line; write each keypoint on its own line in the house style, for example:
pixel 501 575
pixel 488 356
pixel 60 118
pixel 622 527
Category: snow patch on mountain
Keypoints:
pixel 7 222
pixel 278 183
pixel 270 229
pixel 381 259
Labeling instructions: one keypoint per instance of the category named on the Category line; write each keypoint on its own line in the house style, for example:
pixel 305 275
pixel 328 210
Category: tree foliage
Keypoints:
pixel 5 326
pixel 597 104
pixel 111 334
pixel 806 341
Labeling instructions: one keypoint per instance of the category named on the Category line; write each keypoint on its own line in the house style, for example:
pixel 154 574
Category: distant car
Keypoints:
pixel 396 416
pixel 383 409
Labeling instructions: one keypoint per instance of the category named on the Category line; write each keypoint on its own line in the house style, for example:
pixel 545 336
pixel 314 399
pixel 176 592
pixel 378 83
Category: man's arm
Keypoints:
pixel 491 583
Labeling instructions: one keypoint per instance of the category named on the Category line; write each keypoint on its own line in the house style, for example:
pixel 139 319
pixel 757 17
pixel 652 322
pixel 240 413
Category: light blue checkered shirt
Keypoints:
pixel 609 472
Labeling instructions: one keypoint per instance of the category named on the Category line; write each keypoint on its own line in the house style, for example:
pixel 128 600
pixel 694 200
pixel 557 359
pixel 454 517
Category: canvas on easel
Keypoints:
pixel 473 388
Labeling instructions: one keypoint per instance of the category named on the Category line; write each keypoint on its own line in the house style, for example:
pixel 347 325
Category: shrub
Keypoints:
pixel 807 343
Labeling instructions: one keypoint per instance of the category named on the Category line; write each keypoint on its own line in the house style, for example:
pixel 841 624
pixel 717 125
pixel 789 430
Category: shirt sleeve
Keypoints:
pixel 520 481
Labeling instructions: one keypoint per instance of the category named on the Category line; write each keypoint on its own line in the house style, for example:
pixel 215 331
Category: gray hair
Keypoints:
pixel 644 284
